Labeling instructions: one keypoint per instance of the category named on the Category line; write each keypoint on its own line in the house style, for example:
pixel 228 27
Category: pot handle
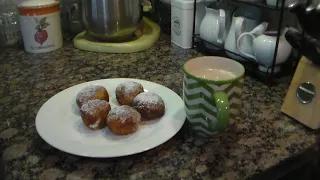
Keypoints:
pixel 294 38
pixel 306 45
pixel 238 45
pixel 221 25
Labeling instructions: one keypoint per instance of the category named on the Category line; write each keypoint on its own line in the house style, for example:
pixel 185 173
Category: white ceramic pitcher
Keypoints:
pixel 212 28
pixel 215 25
pixel 263 47
pixel 245 42
pixel 244 20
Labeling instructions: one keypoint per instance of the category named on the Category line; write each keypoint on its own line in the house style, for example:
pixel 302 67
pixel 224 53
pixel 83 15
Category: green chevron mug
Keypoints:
pixel 212 88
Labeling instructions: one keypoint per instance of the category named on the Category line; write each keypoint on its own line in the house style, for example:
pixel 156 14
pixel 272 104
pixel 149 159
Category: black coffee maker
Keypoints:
pixel 308 43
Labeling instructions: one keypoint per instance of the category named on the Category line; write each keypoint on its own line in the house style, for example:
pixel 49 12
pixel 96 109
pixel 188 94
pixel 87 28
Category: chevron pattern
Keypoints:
pixel 200 106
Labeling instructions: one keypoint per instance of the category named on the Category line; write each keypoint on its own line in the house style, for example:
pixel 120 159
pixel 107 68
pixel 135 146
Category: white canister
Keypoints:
pixel 40 25
pixel 182 20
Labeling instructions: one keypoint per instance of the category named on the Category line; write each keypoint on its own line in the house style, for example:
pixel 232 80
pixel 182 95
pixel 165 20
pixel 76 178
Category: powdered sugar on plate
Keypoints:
pixel 92 106
pixel 88 92
pixel 124 113
pixel 147 98
pixel 129 87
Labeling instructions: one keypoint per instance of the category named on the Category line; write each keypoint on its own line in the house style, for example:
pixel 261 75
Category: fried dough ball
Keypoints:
pixel 94 113
pixel 92 92
pixel 149 105
pixel 126 91
pixel 123 120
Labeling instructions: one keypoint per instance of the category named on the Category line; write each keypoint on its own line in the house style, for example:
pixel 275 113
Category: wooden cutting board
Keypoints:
pixel 308 114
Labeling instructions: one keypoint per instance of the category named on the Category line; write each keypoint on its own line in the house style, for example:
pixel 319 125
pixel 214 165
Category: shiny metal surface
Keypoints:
pixel 111 20
pixel 295 4
pixel 313 5
pixel 318 6
pixel 71 18
pixel 306 92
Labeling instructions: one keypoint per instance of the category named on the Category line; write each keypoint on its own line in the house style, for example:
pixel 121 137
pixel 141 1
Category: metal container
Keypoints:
pixel 71 18
pixel 111 20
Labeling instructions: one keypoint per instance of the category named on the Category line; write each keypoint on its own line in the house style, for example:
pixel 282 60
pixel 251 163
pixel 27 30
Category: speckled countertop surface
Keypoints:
pixel 259 139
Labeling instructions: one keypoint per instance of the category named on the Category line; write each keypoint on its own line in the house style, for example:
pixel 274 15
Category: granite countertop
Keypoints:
pixel 258 139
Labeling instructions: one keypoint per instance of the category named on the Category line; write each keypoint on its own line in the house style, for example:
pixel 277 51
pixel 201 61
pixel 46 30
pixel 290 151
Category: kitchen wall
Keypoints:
pixel 19 1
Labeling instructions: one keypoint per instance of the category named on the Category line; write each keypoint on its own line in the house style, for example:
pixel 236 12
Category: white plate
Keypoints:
pixel 59 123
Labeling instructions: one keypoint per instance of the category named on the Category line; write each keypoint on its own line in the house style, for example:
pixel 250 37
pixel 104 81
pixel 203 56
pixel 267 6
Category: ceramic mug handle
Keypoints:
pixel 239 45
pixel 221 25
pixel 223 111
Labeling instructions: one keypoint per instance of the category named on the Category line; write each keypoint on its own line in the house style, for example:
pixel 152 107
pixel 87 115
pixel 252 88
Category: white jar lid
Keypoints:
pixel 38 3
pixel 186 4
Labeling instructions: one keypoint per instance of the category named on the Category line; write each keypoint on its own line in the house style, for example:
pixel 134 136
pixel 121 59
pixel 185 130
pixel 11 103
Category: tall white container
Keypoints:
pixel 182 20
pixel 40 25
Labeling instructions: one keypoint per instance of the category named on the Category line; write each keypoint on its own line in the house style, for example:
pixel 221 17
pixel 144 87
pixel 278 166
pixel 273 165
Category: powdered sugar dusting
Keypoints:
pixel 88 92
pixel 147 98
pixel 129 87
pixel 91 106
pixel 124 113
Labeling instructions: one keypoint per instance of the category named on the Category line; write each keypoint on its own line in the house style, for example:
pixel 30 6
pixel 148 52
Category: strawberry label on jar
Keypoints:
pixel 41 33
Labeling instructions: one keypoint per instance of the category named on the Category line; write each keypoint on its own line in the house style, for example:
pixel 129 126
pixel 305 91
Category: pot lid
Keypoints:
pixel 38 3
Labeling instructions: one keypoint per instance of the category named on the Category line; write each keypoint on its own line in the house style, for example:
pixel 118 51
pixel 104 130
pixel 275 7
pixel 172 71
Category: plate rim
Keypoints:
pixel 57 146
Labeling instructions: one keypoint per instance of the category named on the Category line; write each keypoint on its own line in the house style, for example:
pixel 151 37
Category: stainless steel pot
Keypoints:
pixel 111 20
